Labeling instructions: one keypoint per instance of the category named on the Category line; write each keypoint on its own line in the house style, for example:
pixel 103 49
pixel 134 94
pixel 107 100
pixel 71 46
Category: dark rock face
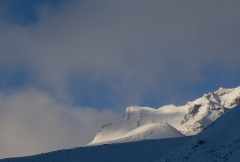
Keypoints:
pixel 237 100
pixel 192 111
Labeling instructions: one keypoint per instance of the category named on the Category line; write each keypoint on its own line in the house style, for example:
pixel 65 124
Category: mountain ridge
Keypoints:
pixel 220 141
pixel 189 119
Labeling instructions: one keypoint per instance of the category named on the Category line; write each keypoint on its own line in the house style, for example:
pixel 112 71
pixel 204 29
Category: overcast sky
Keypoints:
pixel 69 66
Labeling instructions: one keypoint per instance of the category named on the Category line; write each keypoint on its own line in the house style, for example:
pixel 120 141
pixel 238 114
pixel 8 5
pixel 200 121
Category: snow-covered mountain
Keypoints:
pixel 169 121
pixel 219 142
pixel 148 131
pixel 140 151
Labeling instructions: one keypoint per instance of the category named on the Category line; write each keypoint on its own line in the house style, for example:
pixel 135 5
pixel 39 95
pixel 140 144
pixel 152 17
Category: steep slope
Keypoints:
pixel 140 151
pixel 219 142
pixel 148 131
pixel 134 118
pixel 189 119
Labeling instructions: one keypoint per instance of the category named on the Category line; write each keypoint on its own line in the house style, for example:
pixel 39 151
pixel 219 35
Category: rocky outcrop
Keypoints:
pixel 192 111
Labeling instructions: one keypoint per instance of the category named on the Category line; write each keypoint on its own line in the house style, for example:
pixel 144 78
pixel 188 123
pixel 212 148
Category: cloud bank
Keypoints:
pixel 33 122
pixel 132 48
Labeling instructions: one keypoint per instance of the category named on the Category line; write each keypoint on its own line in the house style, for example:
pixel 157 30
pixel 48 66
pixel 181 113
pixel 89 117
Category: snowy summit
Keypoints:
pixel 167 129
pixel 139 123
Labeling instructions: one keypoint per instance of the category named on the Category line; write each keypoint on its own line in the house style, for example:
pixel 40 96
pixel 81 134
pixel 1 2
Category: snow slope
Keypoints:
pixel 189 119
pixel 141 151
pixel 219 142
pixel 148 131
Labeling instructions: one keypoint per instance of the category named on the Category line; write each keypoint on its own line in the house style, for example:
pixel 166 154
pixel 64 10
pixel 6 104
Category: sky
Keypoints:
pixel 69 66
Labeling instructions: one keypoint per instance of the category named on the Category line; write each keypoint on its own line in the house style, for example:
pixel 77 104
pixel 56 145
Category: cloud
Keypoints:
pixel 32 121
pixel 110 54
pixel 133 47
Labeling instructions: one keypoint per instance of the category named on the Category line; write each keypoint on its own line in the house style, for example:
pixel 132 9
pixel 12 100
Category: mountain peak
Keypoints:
pixel 219 142
pixel 132 108
pixel 222 91
pixel 189 119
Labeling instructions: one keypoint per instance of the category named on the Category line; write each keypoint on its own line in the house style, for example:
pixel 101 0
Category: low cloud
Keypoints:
pixel 32 122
